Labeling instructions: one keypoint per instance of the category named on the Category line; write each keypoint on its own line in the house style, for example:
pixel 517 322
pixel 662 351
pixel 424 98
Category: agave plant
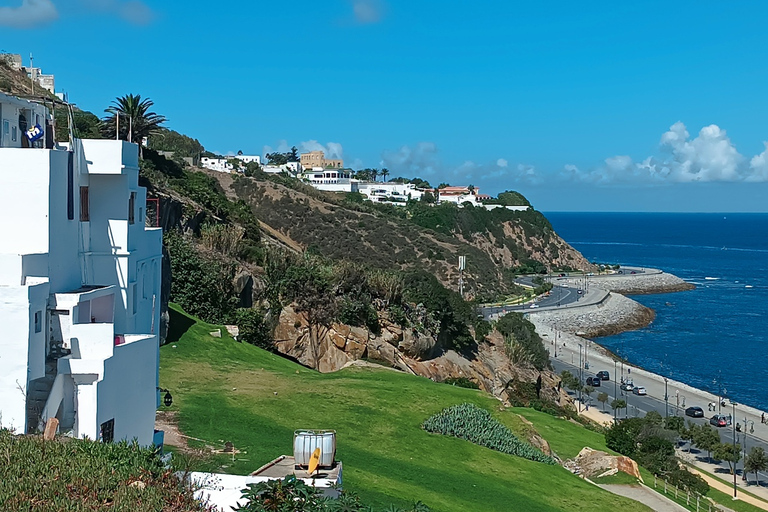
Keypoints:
pixel 476 425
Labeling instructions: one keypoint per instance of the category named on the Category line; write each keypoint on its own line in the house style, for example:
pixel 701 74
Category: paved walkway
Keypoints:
pixel 646 496
pixel 725 481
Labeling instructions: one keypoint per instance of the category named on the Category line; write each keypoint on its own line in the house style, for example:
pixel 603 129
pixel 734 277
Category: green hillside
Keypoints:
pixel 228 391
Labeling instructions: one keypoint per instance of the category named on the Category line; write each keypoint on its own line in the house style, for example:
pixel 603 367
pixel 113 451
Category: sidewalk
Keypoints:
pixel 724 482
pixel 679 395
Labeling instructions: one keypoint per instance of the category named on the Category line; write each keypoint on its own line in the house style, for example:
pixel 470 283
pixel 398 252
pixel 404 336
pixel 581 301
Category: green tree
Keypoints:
pixel 728 452
pixel 511 198
pixel 602 397
pixel 756 461
pixel 384 174
pixel 617 404
pixel 428 197
pixel 181 145
pixel 675 423
pixel 253 329
pixel 252 169
pixel 706 438
pixel 134 117
pixel 374 174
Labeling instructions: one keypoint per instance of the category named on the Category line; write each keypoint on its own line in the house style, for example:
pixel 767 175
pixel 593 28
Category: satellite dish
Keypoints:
pixel 314 461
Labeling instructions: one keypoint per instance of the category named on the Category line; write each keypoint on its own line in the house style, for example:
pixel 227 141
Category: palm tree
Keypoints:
pixel 374 174
pixel 130 119
pixel 384 174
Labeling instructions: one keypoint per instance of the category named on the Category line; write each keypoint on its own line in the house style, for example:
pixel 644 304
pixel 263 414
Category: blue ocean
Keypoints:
pixel 714 337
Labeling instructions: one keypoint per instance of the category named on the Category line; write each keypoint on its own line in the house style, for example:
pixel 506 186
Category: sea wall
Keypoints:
pixel 650 281
pixel 613 315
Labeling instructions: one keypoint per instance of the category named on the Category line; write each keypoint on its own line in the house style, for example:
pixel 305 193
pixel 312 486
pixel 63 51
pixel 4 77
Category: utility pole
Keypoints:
pixel 32 72
pixel 733 427
pixel 462 265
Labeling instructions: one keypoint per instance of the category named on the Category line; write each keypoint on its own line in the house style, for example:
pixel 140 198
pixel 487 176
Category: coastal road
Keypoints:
pixel 560 295
pixel 638 406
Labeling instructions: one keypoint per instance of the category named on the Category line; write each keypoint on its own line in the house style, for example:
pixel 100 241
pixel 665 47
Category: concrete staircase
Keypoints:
pixel 37 395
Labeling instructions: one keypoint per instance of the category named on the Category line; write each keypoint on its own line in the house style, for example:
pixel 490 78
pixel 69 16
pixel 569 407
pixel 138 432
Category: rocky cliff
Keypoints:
pixel 417 353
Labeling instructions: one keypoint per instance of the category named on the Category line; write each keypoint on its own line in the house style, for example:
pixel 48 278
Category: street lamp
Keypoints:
pixel 733 427
pixel 744 458
pixel 615 396
pixel 666 398
pixel 167 399
pixel 580 377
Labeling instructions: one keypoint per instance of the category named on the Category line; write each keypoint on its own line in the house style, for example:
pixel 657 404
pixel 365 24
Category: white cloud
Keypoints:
pixel 132 11
pixel 31 13
pixel 282 147
pixel 709 157
pixel 759 166
pixel 419 161
pixel 502 163
pixel 331 149
pixel 368 11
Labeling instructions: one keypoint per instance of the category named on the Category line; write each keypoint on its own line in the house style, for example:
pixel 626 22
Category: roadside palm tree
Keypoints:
pixel 131 119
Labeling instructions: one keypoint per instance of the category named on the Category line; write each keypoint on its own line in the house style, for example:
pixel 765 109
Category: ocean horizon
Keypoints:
pixel 714 337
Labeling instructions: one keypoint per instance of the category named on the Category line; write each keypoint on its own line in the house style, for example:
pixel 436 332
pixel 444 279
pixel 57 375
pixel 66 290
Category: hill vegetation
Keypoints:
pixel 228 391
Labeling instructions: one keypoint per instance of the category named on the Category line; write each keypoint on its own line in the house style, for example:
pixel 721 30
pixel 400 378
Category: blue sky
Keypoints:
pixel 613 106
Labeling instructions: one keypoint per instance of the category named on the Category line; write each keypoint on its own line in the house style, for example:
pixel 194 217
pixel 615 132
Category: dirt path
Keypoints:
pixel 728 489
pixel 645 496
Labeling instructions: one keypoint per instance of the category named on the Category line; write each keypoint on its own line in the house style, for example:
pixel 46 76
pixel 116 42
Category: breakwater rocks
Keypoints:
pixel 613 315
pixel 649 281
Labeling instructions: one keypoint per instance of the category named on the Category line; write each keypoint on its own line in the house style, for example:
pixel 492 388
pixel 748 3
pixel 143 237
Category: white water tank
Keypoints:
pixel 305 442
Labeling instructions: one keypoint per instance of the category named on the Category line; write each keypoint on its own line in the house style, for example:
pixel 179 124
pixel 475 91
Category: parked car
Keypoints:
pixel 718 420
pixel 593 381
pixel 639 390
pixel 694 412
pixel 604 375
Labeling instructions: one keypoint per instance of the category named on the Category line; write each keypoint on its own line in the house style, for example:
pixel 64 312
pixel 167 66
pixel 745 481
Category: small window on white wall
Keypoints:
pixel 135 298
pixel 38 321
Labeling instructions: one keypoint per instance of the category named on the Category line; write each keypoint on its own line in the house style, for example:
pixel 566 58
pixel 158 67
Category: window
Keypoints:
pixel 108 431
pixel 6 127
pixel 13 133
pixel 131 208
pixel 38 321
pixel 85 205
pixel 135 298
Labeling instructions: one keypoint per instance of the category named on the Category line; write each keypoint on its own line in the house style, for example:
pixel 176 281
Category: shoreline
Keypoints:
pixel 564 330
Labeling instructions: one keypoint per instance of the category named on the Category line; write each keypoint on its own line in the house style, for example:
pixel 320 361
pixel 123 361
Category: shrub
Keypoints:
pixel 461 382
pixel 253 329
pixel 470 422
pixel 75 475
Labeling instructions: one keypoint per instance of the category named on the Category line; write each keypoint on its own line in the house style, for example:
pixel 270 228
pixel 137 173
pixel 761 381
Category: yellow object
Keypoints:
pixel 314 460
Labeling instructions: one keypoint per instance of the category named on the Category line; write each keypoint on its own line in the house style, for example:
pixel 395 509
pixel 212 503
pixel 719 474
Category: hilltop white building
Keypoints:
pixel 216 164
pixel 79 287
pixel 332 180
pixel 390 192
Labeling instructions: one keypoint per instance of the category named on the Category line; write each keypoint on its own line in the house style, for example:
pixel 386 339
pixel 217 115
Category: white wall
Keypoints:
pixel 14 318
pixel 128 391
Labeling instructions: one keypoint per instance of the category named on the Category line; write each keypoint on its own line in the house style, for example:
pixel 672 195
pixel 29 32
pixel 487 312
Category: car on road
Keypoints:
pixel 718 420
pixel 604 375
pixel 593 381
pixel 639 390
pixel 627 386
pixel 534 305
pixel 694 412
pixel 633 272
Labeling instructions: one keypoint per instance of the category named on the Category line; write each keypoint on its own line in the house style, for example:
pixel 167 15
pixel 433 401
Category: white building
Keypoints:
pixel 246 159
pixel 16 117
pixel 80 290
pixel 216 164
pixel 332 180
pixel 458 195
pixel 292 168
pixel 390 192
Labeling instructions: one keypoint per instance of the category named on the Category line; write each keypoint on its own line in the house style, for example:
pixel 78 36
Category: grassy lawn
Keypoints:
pixel 228 391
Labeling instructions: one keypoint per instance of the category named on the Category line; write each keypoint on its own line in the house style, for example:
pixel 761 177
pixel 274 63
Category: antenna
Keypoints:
pixel 32 72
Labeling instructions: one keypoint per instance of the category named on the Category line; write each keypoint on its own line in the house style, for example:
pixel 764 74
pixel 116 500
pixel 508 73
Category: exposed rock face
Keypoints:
pixel 591 462
pixel 409 351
